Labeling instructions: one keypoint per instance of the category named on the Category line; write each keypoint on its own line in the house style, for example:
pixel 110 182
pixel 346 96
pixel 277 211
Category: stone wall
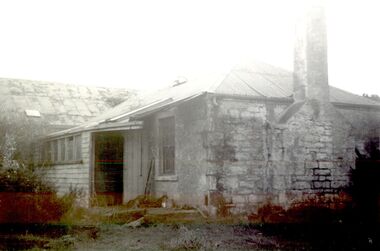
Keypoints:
pixel 255 159
pixel 232 152
pixel 73 176
pixel 313 153
pixel 237 146
pixel 188 185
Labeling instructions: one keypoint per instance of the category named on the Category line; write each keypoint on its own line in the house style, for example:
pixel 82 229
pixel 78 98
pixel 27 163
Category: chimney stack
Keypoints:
pixel 310 55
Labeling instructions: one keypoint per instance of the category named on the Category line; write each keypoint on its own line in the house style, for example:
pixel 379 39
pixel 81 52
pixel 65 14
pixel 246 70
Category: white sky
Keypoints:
pixel 147 44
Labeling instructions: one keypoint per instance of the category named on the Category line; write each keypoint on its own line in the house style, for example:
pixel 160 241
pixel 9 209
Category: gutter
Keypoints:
pixel 129 125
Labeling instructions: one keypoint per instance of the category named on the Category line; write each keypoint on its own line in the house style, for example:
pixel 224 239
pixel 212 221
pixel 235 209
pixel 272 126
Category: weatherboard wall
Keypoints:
pixel 73 177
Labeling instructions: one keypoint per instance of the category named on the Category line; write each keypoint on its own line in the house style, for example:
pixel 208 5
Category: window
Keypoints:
pixel 62 150
pixel 55 150
pixel 70 148
pixel 166 145
pixel 65 150
pixel 78 147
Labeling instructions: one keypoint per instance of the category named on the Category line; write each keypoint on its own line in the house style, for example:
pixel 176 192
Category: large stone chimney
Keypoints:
pixel 310 54
pixel 313 139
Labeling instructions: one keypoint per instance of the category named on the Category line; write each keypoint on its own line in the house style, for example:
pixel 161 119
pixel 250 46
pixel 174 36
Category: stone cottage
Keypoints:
pixel 255 134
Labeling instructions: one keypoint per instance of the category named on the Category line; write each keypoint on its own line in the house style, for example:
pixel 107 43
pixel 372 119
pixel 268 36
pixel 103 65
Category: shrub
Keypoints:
pixel 26 198
pixel 318 208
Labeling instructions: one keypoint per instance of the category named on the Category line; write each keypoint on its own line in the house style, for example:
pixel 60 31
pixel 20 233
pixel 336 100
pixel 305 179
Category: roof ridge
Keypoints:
pixel 212 88
pixel 373 102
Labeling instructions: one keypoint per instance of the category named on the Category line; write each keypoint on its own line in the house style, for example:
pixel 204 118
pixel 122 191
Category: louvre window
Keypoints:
pixel 65 150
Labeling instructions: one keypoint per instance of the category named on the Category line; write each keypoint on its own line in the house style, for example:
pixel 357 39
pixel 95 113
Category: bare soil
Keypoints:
pixel 184 237
pixel 205 236
pixel 123 228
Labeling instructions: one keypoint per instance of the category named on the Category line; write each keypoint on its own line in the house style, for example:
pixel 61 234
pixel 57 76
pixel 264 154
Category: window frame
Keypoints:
pixel 166 145
pixel 65 150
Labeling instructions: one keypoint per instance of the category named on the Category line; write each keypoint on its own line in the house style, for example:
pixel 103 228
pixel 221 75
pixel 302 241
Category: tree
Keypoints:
pixel 20 139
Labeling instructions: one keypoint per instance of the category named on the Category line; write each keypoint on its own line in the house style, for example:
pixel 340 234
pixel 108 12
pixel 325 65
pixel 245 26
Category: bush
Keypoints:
pixel 318 208
pixel 26 198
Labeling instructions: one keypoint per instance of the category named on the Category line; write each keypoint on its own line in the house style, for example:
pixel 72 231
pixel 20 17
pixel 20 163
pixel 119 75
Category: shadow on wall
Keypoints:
pixel 365 185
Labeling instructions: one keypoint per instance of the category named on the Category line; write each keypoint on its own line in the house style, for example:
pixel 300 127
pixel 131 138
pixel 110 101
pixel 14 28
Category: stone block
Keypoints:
pixel 211 180
pixel 322 156
pixel 246 184
pixel 320 130
pixel 245 191
pixel 324 178
pixel 326 139
pixel 254 109
pixel 240 199
pixel 255 171
pixel 215 138
pixel 234 113
pixel 279 182
pixel 322 172
pixel 321 184
pixel 243 156
pixel 311 164
pixel 312 138
pixel 326 164
pixel 302 185
pixel 281 170
pixel 303 178
pixel 246 114
pixel 255 198
pixel 236 170
pixel 319 145
pixel 341 177
pixel 339 184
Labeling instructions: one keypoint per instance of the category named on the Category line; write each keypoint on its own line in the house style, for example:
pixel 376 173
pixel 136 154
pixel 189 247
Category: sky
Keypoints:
pixel 147 44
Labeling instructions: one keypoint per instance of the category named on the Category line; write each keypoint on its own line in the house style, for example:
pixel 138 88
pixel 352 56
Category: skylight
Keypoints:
pixel 32 113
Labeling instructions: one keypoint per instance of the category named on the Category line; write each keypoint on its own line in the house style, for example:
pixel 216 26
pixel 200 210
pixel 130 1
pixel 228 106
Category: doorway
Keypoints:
pixel 108 168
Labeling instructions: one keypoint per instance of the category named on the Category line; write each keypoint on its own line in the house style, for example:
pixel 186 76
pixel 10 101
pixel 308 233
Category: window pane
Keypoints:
pixel 48 151
pixel 78 147
pixel 55 150
pixel 70 148
pixel 167 145
pixel 62 150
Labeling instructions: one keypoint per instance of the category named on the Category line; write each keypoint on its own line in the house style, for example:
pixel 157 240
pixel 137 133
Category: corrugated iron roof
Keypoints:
pixel 253 79
pixel 60 105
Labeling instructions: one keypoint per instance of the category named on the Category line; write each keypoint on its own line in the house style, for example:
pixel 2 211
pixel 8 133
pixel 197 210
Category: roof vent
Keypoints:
pixel 32 113
pixel 179 81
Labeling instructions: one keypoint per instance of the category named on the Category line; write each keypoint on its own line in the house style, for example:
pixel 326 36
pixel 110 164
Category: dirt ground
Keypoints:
pixel 185 237
pixel 205 236
pixel 180 229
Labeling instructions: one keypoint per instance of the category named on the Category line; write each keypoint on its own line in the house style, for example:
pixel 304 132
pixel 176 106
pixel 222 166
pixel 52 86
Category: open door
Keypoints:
pixel 135 164
pixel 108 173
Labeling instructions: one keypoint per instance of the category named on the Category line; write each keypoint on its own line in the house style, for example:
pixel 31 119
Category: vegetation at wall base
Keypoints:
pixel 26 198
